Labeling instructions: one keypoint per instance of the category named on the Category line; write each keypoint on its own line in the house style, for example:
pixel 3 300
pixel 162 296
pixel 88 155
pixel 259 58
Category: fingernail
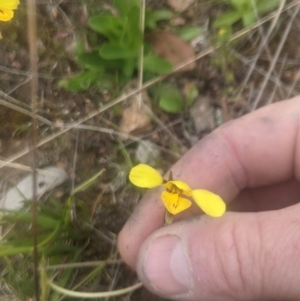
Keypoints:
pixel 166 266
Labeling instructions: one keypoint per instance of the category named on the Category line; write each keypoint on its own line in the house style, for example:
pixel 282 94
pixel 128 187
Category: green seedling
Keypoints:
pixel 117 40
pixel 191 32
pixel 245 11
pixel 171 100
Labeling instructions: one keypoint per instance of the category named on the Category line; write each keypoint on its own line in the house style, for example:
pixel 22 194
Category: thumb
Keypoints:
pixel 241 256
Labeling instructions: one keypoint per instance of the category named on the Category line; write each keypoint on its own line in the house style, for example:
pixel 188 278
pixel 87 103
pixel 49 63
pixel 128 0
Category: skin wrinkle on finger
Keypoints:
pixel 223 245
pixel 235 259
pixel 265 149
pixel 260 162
pixel 229 264
pixel 281 254
pixel 238 175
pixel 271 197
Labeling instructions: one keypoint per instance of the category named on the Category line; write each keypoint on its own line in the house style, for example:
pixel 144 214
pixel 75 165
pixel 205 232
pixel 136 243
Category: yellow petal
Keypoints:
pixel 174 203
pixel 209 202
pixel 145 176
pixel 186 190
pixel 6 14
pixel 169 186
pixel 174 186
pixel 9 4
pixel 182 186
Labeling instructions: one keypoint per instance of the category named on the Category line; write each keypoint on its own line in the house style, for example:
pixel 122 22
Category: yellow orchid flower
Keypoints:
pixel 7 9
pixel 178 194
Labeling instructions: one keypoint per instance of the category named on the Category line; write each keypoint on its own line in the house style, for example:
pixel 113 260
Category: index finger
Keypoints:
pixel 258 149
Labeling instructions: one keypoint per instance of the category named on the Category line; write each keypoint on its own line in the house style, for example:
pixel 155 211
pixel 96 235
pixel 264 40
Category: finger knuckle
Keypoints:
pixel 237 250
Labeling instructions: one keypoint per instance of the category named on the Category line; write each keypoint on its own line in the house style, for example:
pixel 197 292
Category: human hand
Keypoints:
pixel 253 163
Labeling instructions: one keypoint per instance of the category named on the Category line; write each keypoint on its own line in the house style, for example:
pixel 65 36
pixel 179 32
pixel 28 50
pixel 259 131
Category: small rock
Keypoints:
pixel 13 199
pixel 203 115
pixel 147 152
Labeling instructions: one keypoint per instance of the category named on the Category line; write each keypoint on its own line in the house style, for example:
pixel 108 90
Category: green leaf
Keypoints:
pixel 262 7
pixel 227 19
pixel 156 64
pixel 110 26
pixel 12 250
pixel 190 33
pixel 81 81
pixel 91 60
pixel 123 6
pixel 132 36
pixel 116 51
pixel 266 6
pixel 128 67
pixel 150 22
pixel 26 218
pixel 242 5
pixel 248 18
pixel 171 100
pixel 162 14
pixel 45 210
pixel 152 17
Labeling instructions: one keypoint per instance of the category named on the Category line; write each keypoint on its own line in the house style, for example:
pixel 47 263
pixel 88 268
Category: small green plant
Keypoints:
pixel 55 234
pixel 245 11
pixel 171 100
pixel 189 33
pixel 117 40
pixel 62 237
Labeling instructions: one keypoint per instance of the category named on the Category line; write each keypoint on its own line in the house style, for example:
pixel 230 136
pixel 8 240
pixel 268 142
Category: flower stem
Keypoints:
pixel 168 218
